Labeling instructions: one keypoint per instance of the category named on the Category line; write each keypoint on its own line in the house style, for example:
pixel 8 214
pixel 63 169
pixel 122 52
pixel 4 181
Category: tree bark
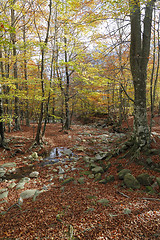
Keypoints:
pixel 37 139
pixel 15 69
pixel 139 55
pixel 1 106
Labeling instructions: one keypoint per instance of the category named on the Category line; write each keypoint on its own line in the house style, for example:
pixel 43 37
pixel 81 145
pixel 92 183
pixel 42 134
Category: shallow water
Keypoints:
pixel 59 154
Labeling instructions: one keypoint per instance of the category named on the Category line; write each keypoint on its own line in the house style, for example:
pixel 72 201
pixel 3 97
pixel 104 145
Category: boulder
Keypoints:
pixel 34 155
pixel 97 169
pixel 12 185
pixel 91 176
pixel 122 173
pixel 22 182
pixel 28 193
pixel 131 182
pixel 34 174
pixel 10 164
pixel 92 165
pixel 144 179
pixel 3 193
pixel 2 172
pixel 110 178
pixel 98 176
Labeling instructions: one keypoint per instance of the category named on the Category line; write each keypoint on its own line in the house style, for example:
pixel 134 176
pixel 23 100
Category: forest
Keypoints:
pixel 79 119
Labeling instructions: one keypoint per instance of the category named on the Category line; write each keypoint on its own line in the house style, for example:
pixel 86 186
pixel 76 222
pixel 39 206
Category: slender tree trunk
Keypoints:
pixel 67 119
pixel 37 139
pixel 1 106
pixel 25 72
pixel 15 69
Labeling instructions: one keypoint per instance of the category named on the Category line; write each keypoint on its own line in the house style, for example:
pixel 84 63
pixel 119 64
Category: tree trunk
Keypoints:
pixel 25 71
pixel 1 106
pixel 15 70
pixel 139 55
pixel 37 139
pixel 67 119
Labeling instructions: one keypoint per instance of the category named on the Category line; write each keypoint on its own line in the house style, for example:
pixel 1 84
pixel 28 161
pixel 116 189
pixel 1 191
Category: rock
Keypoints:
pixel 98 176
pixel 61 170
pixel 98 157
pixel 2 172
pixel 12 170
pixel 81 180
pixel 3 193
pixel 104 201
pixel 127 211
pixel 25 179
pixel 110 178
pixel 37 194
pixel 131 182
pixel 11 164
pixel 158 181
pixel 34 155
pixel 91 176
pixel 144 179
pixel 22 182
pixel 92 165
pixel 122 173
pixel 67 180
pixel 20 185
pixel 34 174
pixel 97 169
pixel 86 159
pixel 73 168
pixel 67 152
pixel 28 193
pixel 103 181
pixel 12 185
pixel 80 148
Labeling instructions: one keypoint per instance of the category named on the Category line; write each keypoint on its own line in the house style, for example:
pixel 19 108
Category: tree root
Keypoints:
pixel 131 150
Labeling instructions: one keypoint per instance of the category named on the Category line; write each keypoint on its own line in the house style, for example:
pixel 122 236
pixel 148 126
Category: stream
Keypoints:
pixel 59 154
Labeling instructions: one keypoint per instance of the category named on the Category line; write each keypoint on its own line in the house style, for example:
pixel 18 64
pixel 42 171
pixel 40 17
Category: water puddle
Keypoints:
pixel 59 154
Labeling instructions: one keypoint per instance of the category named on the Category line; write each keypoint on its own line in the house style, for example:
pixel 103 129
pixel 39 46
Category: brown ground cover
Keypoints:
pixel 129 214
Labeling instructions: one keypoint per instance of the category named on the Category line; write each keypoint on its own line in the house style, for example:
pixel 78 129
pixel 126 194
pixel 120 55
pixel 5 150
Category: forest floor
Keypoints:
pixel 81 208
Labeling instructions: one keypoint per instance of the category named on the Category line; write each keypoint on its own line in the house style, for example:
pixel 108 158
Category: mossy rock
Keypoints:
pixel 144 179
pixel 103 181
pixel 131 182
pixel 110 178
pixel 122 173
pixel 91 176
pixel 97 169
pixel 92 165
pixel 98 176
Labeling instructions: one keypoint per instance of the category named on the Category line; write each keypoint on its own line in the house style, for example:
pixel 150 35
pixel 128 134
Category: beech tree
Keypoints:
pixel 139 55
